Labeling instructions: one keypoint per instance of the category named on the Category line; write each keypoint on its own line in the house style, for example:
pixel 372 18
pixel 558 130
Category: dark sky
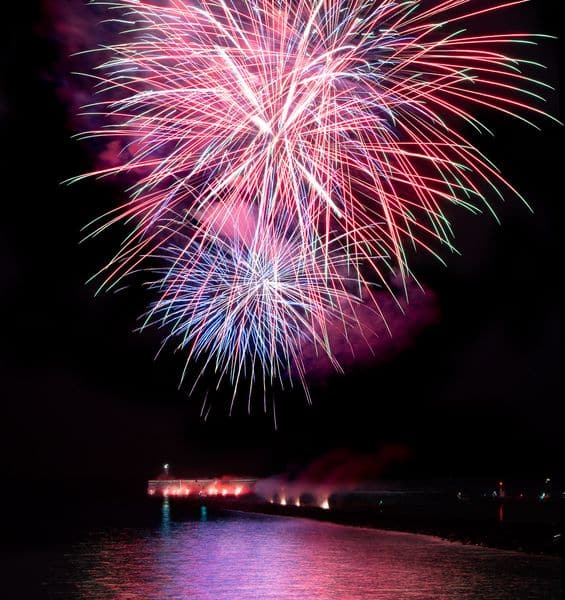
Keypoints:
pixel 82 396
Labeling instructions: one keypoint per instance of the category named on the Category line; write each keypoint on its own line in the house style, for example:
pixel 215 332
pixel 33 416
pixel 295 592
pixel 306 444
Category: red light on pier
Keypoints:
pixel 224 487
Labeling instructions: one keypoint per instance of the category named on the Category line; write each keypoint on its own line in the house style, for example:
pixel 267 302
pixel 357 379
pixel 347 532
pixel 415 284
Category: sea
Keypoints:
pixel 159 550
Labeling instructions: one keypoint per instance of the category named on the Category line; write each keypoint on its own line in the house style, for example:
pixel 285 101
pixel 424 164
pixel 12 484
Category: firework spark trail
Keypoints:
pixel 248 308
pixel 334 121
pixel 339 113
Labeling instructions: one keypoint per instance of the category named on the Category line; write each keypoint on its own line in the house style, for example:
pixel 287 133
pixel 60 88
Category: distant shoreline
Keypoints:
pixel 534 538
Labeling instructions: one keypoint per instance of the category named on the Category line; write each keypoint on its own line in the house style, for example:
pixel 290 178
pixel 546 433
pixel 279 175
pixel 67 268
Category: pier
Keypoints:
pixel 201 487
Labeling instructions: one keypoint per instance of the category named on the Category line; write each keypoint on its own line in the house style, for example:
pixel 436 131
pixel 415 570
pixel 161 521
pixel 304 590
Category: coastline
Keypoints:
pixel 529 537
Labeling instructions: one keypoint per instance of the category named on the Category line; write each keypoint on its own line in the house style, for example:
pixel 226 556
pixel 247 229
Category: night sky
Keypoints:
pixel 478 393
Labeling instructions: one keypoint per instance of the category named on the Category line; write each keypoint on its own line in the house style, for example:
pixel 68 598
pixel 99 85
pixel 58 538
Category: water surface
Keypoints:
pixel 232 555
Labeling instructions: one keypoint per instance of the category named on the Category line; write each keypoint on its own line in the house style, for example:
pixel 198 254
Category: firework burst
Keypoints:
pixel 338 123
pixel 248 308
pixel 341 114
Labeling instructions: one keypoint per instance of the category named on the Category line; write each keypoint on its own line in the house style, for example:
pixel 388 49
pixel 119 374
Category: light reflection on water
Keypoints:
pixel 166 516
pixel 244 556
